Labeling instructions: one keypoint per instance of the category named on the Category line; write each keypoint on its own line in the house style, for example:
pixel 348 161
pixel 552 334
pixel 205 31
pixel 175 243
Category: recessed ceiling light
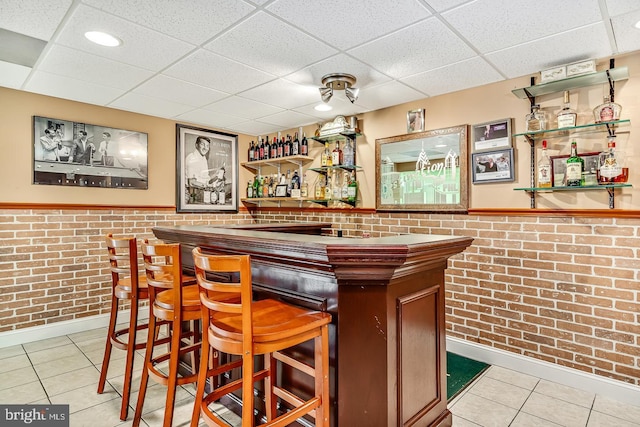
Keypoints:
pixel 637 25
pixel 323 107
pixel 103 39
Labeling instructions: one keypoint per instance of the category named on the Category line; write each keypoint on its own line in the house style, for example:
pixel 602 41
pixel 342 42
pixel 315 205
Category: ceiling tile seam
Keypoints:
pixel 608 25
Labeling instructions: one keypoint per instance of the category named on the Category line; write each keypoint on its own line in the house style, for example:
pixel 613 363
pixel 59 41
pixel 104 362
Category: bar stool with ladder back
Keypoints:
pixel 127 283
pixel 252 328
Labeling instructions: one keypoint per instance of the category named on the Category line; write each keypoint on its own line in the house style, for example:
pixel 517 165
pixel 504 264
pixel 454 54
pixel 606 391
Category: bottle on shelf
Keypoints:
pixel 337 188
pixel 256 185
pixel 336 155
pixel 352 191
pixel 319 189
pixel 250 157
pixel 261 150
pixel 608 111
pixel 249 190
pixel 287 146
pixel 544 168
pixel 295 181
pixel 304 187
pixel 270 188
pixel 609 169
pixel 348 153
pixel 566 116
pixel 328 188
pixel 304 145
pixel 575 167
pixel 288 182
pixel 325 156
pixel 344 191
pixel 279 147
pixel 260 187
pixel 295 145
pixel 536 120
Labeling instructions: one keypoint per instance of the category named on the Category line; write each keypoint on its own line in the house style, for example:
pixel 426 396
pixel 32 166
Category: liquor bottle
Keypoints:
pixel 544 168
pixel 348 154
pixel 295 146
pixel 346 179
pixel 251 151
pixel 324 156
pixel 270 192
pixel 608 111
pixel 318 190
pixel 567 116
pixel 575 167
pixel 256 184
pixel 536 120
pixel 336 188
pixel 279 146
pixel 352 191
pixel 304 187
pixel 249 190
pixel 260 187
pixel 287 146
pixel 336 155
pixel 288 182
pixel 304 145
pixel 609 168
pixel 261 151
pixel 327 152
pixel 328 188
pixel 295 181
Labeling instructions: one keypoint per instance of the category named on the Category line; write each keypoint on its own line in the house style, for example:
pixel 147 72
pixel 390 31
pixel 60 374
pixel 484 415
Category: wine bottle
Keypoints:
pixel 295 146
pixel 287 146
pixel 266 153
pixel 575 167
pixel 304 145
pixel 336 155
pixel 261 150
pixel 251 152
pixel 279 146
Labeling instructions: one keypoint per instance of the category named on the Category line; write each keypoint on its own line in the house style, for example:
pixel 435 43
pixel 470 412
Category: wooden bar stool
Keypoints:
pixel 247 328
pixel 126 284
pixel 171 303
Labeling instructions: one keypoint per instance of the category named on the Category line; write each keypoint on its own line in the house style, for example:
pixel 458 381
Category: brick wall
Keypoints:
pixel 561 289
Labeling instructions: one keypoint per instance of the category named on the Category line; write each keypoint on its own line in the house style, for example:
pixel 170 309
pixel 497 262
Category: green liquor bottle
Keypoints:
pixel 575 167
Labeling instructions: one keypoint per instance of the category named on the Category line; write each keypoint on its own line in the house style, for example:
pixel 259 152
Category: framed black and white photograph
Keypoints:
pixel 415 120
pixel 85 155
pixel 492 135
pixel 559 169
pixel 493 166
pixel 207 170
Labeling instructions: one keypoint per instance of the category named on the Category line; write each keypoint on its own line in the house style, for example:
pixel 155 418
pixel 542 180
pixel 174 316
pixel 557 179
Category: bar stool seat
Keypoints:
pixel 262 328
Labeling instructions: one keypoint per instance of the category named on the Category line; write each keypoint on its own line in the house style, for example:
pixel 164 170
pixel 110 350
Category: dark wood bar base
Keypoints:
pixel 386 296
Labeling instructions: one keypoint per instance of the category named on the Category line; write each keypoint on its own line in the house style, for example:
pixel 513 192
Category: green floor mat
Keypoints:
pixel 461 372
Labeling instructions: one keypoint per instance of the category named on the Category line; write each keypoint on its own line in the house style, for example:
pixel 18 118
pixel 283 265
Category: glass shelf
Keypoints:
pixel 298 200
pixel 615 74
pixel 551 133
pixel 337 137
pixel 298 160
pixel 325 169
pixel 584 187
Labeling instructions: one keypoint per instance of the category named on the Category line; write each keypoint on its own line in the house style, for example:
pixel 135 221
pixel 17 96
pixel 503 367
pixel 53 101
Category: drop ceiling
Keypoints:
pixel 254 66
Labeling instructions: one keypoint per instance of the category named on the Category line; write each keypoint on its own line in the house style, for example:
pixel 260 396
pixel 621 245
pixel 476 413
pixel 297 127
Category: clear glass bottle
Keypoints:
pixel 304 187
pixel 536 120
pixel 349 153
pixel 566 116
pixel 352 191
pixel 608 111
pixel 544 168
pixel 575 167
pixel 608 163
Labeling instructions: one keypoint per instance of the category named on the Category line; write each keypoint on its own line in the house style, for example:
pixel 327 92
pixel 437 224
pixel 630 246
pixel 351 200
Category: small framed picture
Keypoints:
pixel 559 169
pixel 281 191
pixel 415 120
pixel 492 135
pixel 493 166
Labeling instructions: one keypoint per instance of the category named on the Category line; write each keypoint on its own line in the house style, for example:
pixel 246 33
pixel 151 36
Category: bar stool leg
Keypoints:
pixel 321 345
pixel 144 380
pixel 172 383
pixel 108 346
pixel 205 350
pixel 131 351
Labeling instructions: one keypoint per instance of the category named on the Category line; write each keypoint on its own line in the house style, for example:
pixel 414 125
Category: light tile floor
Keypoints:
pixel 66 370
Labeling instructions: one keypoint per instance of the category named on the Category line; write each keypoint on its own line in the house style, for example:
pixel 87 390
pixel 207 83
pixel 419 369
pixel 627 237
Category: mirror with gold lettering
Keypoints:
pixel 425 171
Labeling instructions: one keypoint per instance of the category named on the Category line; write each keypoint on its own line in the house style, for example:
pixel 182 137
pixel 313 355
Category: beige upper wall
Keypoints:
pixel 472 106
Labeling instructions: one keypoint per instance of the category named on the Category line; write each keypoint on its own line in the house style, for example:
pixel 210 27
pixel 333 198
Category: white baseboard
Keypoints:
pixel 52 330
pixel 603 386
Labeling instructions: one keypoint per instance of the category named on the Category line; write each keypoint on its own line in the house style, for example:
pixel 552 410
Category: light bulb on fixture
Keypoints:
pixel 103 39
pixel 339 81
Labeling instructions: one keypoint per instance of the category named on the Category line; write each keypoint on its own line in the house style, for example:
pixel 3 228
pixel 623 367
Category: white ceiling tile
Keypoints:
pixel 511 26
pixel 312 75
pixel 213 71
pixel 347 24
pixel 442 5
pixel 256 128
pixel 283 94
pixel 627 35
pixel 388 94
pixel 139 44
pixel 35 18
pixel 70 88
pixel 194 21
pixel 286 49
pixel 246 108
pixel 210 118
pixel 289 119
pixel 420 47
pixel 91 68
pixel 618 7
pixel 13 75
pixel 170 89
pixel 149 105
pixel 584 43
pixel 454 77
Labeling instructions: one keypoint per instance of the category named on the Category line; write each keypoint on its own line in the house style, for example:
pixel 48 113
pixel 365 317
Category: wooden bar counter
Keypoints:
pixel 386 296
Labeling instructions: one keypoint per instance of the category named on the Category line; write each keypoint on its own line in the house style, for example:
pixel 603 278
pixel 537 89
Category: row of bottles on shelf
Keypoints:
pixel 329 187
pixel 278 148
pixel 608 170
pixel 567 117
pixel 338 156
